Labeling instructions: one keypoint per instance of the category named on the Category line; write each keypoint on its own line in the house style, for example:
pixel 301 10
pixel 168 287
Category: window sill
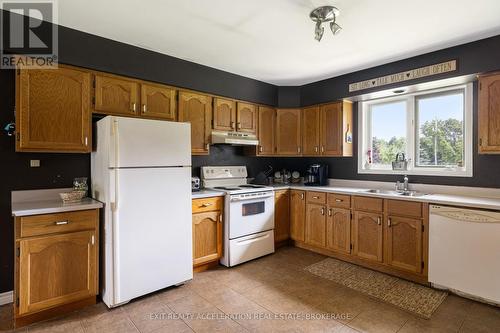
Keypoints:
pixel 419 172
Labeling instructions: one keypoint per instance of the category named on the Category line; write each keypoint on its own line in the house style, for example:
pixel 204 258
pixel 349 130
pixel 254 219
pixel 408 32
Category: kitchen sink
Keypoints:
pixel 377 191
pixel 412 194
pixel 404 193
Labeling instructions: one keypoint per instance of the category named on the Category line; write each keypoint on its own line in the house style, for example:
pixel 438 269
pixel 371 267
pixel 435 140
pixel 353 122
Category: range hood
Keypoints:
pixel 234 138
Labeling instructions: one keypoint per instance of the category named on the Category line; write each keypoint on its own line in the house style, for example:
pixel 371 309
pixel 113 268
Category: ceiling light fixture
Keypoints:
pixel 322 15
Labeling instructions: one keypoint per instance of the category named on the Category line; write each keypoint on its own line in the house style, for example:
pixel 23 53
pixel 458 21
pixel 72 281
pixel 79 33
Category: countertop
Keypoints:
pixel 35 202
pixel 206 194
pixel 434 198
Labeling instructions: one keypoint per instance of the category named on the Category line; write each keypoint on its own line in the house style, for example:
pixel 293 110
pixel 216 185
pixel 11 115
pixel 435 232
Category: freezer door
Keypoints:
pixel 149 143
pixel 152 230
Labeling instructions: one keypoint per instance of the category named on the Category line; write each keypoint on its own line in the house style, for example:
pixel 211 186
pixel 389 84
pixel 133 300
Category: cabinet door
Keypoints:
pixel 224 114
pixel 311 131
pixel 331 129
pixel 404 243
pixel 158 102
pixel 338 230
pixel 297 215
pixel 55 270
pixel 267 123
pixel 246 118
pixel 281 215
pixel 288 132
pixel 489 114
pixel 116 96
pixel 207 237
pixel 197 110
pixel 368 236
pixel 316 225
pixel 53 110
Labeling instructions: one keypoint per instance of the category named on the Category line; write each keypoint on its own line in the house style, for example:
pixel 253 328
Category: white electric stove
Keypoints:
pixel 248 213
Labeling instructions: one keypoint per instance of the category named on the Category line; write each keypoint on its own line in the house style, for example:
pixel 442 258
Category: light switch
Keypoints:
pixel 34 163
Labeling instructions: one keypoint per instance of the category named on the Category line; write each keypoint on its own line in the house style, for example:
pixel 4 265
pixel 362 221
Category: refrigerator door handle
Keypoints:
pixel 113 189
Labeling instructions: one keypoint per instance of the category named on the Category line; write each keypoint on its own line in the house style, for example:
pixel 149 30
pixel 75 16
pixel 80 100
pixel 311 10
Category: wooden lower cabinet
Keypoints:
pixel 281 216
pixel 207 230
pixel 297 215
pixel 404 243
pixel 56 268
pixel 315 225
pixel 338 230
pixel 367 236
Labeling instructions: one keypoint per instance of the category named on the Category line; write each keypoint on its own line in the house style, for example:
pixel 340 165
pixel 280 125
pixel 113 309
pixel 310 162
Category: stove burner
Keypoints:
pixel 252 186
pixel 226 188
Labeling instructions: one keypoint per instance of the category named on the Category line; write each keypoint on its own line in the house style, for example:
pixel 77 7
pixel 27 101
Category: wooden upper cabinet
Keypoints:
pixel 368 236
pixel 224 114
pixel 288 132
pixel 311 131
pixel 316 225
pixel 404 243
pixel 246 118
pixel 489 114
pixel 207 237
pixel 53 110
pixel 158 102
pixel 115 95
pixel 197 110
pixel 297 215
pixel 267 123
pixel 281 215
pixel 56 269
pixel 336 129
pixel 338 230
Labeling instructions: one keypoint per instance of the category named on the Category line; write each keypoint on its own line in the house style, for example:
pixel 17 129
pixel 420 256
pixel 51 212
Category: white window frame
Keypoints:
pixel 365 137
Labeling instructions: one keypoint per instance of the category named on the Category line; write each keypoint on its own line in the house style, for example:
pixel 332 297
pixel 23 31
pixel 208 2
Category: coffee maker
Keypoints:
pixel 317 175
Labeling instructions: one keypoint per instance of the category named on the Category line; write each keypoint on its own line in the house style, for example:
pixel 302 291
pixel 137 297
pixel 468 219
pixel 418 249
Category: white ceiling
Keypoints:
pixel 272 40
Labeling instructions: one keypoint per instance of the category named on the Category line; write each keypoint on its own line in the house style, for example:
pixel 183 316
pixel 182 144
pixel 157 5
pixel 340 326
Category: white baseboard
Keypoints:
pixel 6 297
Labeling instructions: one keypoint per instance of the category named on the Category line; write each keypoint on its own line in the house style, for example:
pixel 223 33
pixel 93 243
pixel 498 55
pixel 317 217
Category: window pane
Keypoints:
pixel 440 130
pixel 388 128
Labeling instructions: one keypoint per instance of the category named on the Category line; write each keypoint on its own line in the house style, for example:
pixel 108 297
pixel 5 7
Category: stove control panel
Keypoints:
pixel 223 172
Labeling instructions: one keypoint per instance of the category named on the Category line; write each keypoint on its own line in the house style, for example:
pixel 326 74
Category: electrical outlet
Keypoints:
pixel 34 163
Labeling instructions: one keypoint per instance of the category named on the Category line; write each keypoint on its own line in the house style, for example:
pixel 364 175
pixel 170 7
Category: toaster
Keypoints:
pixel 195 184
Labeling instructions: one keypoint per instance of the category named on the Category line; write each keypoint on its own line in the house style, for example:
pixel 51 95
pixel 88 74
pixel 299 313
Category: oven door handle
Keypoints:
pixel 252 240
pixel 251 198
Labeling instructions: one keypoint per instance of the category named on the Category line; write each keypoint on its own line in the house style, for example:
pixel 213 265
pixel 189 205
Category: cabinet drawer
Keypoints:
pixel 339 200
pixel 207 204
pixel 404 208
pixel 368 204
pixel 316 197
pixel 37 225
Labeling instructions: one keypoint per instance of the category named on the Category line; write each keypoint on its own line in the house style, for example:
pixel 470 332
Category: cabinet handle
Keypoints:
pixel 330 212
pixel 207 146
pixel 144 108
pixel 61 222
pixel 239 125
pixel 298 150
pixel 133 106
pixel 206 204
pixel 378 221
pixel 315 197
pixel 92 240
pixel 261 149
pixel 322 149
pixel 86 141
pixel 232 124
pixel 339 200
pixel 389 223
pixel 302 196
pixel 322 211
pixel 316 149
pixel 220 218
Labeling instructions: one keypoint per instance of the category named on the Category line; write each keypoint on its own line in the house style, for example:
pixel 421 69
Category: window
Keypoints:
pixel 432 130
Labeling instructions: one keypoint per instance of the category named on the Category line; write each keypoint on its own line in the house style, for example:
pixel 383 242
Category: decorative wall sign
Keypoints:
pixel 444 67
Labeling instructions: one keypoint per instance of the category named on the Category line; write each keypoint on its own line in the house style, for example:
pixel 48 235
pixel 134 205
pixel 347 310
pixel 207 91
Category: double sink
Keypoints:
pixel 397 193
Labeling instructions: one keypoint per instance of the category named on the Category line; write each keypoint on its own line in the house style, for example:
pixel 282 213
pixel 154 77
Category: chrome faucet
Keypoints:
pixel 403 187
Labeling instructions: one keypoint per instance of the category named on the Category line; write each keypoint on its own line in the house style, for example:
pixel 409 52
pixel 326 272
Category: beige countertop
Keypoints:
pixel 206 194
pixel 35 202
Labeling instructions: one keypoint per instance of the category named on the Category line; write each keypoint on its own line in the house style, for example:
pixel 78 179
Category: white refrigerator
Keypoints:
pixel 141 171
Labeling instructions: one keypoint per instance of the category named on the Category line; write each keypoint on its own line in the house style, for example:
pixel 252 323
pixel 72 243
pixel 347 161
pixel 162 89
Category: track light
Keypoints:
pixel 324 14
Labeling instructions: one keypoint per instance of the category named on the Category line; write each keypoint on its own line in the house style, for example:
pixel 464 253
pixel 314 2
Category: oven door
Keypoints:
pixel 250 215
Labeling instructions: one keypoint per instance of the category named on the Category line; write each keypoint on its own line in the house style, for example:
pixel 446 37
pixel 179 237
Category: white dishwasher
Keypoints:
pixel 464 251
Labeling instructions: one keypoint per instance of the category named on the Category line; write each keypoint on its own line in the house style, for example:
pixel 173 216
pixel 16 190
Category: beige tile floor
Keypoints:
pixel 263 296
